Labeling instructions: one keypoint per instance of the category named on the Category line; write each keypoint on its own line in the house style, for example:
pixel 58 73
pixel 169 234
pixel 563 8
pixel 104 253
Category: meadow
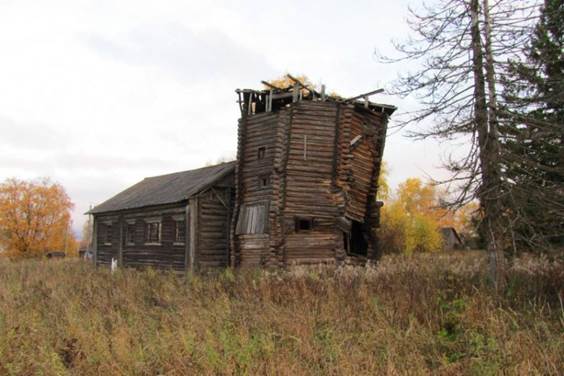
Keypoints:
pixel 425 314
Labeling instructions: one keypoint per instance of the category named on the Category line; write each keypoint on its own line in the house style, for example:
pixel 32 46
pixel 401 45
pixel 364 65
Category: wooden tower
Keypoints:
pixel 306 177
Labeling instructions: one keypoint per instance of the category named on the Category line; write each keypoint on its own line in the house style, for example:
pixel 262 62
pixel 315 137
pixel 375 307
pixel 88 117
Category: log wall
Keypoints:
pixel 208 242
pixel 315 173
pixel 213 228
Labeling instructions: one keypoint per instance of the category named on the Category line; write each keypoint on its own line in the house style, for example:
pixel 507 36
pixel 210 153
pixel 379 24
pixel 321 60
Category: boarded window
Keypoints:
pixel 179 231
pixel 153 232
pixel 130 233
pixel 253 219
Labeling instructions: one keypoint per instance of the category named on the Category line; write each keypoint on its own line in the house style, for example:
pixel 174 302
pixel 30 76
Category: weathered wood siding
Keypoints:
pixel 361 168
pixel 211 233
pixel 315 173
pixel 105 252
pixel 166 255
pixel 253 250
pixel 258 131
pixel 308 183
pixel 214 209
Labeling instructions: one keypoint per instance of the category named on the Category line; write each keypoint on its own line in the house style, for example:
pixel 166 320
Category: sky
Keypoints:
pixel 96 95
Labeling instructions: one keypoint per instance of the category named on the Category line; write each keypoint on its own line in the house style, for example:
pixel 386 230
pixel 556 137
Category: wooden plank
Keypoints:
pixel 194 233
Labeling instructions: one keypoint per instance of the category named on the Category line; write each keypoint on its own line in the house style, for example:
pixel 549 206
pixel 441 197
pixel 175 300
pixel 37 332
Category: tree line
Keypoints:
pixel 492 74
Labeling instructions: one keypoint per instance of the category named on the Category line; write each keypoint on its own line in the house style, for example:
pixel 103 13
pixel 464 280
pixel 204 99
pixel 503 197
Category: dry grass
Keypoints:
pixel 420 315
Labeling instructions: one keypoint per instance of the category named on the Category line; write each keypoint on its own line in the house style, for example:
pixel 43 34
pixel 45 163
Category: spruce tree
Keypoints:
pixel 533 133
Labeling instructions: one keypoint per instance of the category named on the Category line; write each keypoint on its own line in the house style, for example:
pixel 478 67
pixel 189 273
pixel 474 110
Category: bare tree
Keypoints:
pixel 458 45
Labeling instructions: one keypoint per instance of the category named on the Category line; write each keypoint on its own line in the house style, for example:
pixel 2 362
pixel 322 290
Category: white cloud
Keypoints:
pixel 98 94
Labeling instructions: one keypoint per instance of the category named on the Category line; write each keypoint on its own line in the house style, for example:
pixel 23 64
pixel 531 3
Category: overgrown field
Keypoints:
pixel 429 314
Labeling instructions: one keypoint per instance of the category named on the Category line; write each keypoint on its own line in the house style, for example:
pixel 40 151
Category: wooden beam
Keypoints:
pixel 194 232
pixel 302 84
pixel 187 238
pixel 269 85
pixel 219 198
pixel 95 239
pixel 120 246
pixel 364 95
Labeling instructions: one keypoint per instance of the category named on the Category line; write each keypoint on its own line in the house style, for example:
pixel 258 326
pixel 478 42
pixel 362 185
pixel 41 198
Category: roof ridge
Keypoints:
pixel 184 171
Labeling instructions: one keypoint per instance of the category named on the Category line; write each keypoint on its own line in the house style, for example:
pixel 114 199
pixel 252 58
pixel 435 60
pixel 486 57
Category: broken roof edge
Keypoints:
pixel 205 187
pixel 314 96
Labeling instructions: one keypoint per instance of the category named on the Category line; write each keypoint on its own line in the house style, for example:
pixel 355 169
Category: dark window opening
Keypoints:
pixel 180 232
pixel 261 153
pixel 264 181
pixel 358 244
pixel 304 224
pixel 130 233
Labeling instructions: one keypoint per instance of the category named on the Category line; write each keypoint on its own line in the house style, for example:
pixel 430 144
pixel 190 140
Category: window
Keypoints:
pixel 107 233
pixel 130 233
pixel 253 219
pixel 180 231
pixel 264 181
pixel 153 231
pixel 303 224
pixel 261 153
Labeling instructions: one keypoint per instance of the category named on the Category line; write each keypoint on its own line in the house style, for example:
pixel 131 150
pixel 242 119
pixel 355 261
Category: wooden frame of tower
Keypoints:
pixel 306 177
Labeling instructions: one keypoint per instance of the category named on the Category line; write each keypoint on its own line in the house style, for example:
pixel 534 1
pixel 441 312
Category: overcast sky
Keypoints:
pixel 99 94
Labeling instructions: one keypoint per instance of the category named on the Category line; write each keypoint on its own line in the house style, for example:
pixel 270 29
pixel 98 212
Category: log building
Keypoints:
pixel 302 190
pixel 306 177
pixel 179 221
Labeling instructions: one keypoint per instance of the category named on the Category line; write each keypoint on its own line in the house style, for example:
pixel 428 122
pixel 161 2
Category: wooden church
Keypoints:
pixel 302 190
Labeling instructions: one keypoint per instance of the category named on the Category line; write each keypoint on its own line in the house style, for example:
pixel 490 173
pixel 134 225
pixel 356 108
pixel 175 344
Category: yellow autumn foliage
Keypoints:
pixel 34 218
pixel 410 221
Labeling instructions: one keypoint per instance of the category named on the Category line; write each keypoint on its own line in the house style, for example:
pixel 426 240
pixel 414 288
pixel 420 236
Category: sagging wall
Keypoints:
pixel 323 159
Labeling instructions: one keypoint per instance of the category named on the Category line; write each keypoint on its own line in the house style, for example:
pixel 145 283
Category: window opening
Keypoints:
pixel 303 224
pixel 358 244
pixel 264 181
pixel 153 232
pixel 130 233
pixel 261 152
pixel 108 234
pixel 180 231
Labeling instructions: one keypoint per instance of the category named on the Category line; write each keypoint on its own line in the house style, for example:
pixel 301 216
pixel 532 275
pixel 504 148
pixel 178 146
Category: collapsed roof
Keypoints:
pixel 274 98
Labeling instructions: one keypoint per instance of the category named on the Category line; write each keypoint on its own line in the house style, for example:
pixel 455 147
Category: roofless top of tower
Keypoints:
pixel 274 98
